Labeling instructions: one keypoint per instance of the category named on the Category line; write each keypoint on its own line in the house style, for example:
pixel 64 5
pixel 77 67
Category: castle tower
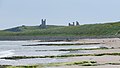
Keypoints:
pixel 43 23
pixel 73 23
pixel 77 23
pixel 69 24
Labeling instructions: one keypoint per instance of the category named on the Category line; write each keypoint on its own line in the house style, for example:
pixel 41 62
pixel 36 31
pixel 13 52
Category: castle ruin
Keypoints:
pixel 73 24
pixel 43 23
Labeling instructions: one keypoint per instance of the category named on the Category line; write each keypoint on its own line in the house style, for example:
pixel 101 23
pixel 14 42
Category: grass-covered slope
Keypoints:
pixel 106 29
pixel 28 28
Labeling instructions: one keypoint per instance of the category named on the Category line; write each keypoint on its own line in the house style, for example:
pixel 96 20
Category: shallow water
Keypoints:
pixel 15 48
pixel 31 61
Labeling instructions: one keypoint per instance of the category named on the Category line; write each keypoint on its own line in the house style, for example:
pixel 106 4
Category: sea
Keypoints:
pixel 16 48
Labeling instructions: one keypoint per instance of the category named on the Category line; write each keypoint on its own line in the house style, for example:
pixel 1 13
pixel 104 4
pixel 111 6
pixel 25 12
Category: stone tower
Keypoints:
pixel 43 23
pixel 77 23
pixel 74 24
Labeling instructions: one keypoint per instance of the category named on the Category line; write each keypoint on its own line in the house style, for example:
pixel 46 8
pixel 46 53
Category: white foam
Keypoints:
pixel 7 53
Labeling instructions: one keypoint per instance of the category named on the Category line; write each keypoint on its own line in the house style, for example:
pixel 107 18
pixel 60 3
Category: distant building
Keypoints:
pixel 43 23
pixel 73 24
pixel 77 23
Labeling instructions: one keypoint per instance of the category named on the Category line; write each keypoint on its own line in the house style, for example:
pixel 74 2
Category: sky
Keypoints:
pixel 57 12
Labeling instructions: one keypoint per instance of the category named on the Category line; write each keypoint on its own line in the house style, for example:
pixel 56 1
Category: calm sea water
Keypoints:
pixel 15 48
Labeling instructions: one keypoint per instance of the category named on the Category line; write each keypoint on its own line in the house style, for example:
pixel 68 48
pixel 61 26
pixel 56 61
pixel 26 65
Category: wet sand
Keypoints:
pixel 75 66
pixel 112 43
pixel 114 47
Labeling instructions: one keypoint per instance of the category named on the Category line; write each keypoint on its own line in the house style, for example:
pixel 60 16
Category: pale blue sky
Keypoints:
pixel 57 12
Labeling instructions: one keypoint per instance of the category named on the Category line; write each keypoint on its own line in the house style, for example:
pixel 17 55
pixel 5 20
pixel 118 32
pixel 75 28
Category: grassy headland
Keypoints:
pixel 107 29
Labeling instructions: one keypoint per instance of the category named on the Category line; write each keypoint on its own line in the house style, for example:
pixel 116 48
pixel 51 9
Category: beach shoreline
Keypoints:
pixel 111 43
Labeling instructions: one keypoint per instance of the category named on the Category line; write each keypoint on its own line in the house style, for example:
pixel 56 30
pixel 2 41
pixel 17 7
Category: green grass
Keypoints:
pixel 30 28
pixel 107 29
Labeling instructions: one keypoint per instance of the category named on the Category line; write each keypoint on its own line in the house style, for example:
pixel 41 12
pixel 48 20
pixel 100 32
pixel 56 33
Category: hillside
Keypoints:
pixel 29 28
pixel 106 29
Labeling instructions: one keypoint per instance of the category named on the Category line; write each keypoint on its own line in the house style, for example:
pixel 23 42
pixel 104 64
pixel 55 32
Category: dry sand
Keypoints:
pixel 111 42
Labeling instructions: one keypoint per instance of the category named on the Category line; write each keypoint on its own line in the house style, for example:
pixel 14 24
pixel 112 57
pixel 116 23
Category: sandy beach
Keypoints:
pixel 77 52
pixel 75 66
pixel 112 43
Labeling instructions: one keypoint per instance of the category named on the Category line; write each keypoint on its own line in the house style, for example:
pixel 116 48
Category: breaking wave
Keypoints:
pixel 7 53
